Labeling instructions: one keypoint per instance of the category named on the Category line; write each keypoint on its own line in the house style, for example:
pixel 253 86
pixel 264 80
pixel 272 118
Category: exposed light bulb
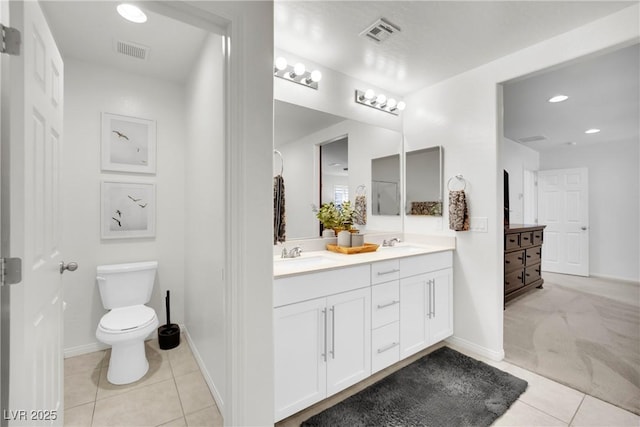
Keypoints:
pixel 594 130
pixel 401 105
pixel 391 103
pixel 558 98
pixel 299 69
pixel 131 13
pixel 316 76
pixel 381 99
pixel 281 63
pixel 369 94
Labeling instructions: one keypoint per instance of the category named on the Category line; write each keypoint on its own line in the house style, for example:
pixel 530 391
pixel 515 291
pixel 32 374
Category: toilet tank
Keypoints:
pixel 123 285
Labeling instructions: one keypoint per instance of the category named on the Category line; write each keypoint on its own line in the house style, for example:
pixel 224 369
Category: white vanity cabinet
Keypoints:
pixel 426 301
pixel 323 344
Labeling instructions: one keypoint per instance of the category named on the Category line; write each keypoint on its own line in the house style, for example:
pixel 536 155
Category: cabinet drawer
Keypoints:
pixel 526 239
pixel 533 255
pixel 385 304
pixel 513 281
pixel 414 265
pixel 385 271
pixel 531 274
pixel 513 261
pixel 385 346
pixel 511 241
pixel 537 237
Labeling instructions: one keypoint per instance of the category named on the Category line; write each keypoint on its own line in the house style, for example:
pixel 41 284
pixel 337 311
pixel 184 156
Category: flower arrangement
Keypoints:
pixel 336 216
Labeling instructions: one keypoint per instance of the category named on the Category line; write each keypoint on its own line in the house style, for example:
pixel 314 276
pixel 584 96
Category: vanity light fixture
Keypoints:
pixel 557 98
pixel 594 130
pixel 131 13
pixel 379 102
pixel 296 73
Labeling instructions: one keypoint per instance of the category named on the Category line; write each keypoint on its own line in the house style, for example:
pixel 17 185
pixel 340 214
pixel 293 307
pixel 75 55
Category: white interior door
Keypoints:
pixel 563 206
pixel 36 360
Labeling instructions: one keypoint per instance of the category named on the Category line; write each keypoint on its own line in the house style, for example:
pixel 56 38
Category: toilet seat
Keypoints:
pixel 126 319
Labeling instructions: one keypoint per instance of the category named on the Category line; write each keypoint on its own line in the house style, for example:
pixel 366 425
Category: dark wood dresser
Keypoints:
pixel 522 257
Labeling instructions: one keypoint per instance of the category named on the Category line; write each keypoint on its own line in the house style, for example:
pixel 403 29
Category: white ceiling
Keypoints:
pixel 293 122
pixel 438 39
pixel 604 93
pixel 88 30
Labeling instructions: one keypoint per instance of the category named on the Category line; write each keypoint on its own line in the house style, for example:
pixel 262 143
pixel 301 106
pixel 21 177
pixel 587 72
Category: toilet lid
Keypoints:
pixel 121 319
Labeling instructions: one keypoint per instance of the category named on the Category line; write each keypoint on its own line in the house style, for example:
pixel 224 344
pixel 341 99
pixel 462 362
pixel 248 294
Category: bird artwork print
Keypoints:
pixel 119 213
pixel 117 221
pixel 142 206
pixel 134 199
pixel 120 135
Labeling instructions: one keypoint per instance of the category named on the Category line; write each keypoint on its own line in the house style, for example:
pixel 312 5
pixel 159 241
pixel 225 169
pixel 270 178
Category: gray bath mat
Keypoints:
pixel 444 388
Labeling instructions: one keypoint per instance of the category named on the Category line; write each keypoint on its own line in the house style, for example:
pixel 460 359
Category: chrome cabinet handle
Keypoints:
pixel 382 273
pixel 72 266
pixel 388 347
pixel 333 332
pixel 394 302
pixel 433 300
pixel 324 322
pixel 428 298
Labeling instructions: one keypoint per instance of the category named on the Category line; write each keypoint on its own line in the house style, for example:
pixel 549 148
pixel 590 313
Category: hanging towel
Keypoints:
pixel 458 211
pixel 278 210
pixel 360 210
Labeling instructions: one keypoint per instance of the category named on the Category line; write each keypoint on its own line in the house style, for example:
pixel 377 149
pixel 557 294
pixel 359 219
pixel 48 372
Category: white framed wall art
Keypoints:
pixel 128 144
pixel 128 210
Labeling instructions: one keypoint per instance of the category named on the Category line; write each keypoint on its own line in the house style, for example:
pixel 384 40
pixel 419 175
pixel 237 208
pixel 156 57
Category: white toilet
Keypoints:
pixel 124 289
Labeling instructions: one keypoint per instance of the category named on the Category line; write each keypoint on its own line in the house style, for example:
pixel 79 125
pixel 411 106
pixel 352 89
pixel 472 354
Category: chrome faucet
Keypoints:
pixel 391 242
pixel 295 252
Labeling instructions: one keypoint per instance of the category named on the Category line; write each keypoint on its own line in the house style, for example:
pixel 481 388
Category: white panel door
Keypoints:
pixel 349 342
pixel 441 319
pixel 36 303
pixel 563 206
pixel 414 312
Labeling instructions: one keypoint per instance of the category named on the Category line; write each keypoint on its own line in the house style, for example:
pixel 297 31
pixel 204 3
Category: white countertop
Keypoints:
pixel 309 262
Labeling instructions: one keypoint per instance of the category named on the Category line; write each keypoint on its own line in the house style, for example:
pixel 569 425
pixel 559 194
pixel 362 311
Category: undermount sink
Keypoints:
pixel 301 262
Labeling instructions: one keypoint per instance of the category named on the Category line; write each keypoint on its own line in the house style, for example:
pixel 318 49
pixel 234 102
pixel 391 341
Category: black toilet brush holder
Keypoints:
pixel 169 334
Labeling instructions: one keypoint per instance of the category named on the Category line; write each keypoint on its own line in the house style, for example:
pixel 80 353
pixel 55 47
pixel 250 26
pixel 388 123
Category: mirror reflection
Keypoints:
pixel 424 181
pixel 385 185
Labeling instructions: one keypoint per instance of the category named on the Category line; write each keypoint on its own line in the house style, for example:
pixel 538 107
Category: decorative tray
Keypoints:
pixel 367 247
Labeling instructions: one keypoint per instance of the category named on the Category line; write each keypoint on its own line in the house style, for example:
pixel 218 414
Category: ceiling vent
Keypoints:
pixel 380 30
pixel 132 49
pixel 535 138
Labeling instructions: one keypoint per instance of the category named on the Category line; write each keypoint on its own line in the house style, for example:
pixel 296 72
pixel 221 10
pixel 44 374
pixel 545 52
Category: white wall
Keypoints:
pixel 205 214
pixel 301 173
pixel 462 114
pixel 515 159
pixel 614 203
pixel 90 90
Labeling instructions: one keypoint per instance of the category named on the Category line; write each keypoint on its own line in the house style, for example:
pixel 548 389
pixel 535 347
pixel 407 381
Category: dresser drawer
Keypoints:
pixel 385 304
pixel 385 346
pixel 537 237
pixel 385 271
pixel 511 241
pixel 531 274
pixel 513 281
pixel 533 255
pixel 513 261
pixel 526 239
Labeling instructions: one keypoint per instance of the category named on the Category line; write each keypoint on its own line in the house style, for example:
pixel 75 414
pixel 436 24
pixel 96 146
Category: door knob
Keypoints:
pixel 72 266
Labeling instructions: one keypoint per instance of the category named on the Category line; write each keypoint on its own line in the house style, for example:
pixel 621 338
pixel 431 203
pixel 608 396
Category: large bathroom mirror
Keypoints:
pixel 385 185
pixel 303 136
pixel 424 181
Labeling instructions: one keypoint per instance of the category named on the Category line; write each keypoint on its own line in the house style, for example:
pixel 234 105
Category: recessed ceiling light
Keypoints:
pixel 558 98
pixel 594 130
pixel 132 13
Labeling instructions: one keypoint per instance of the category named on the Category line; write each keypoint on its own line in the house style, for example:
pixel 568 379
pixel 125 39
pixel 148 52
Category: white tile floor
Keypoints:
pixel 174 393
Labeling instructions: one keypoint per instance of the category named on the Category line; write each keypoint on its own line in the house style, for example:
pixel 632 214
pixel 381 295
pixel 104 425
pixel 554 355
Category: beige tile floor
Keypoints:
pixel 172 393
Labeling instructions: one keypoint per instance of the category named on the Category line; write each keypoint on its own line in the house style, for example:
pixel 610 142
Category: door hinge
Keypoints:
pixel 10 271
pixel 10 40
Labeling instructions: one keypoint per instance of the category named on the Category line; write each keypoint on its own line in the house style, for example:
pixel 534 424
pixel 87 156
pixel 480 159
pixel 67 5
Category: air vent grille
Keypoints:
pixel 532 138
pixel 380 30
pixel 132 49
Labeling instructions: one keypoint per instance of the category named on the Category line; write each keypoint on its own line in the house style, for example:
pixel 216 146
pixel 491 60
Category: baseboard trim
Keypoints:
pixel 217 397
pixel 475 348
pixel 616 279
pixel 84 349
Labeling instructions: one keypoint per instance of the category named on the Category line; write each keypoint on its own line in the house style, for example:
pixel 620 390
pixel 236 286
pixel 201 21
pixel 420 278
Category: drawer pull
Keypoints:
pixel 388 347
pixel 380 306
pixel 382 273
pixel 507 262
pixel 512 240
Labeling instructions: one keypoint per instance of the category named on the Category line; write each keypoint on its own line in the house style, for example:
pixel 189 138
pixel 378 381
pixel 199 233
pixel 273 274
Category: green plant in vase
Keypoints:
pixel 346 215
pixel 329 216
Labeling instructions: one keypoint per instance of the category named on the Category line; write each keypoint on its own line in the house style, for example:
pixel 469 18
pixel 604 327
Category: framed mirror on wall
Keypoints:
pixel 385 185
pixel 424 181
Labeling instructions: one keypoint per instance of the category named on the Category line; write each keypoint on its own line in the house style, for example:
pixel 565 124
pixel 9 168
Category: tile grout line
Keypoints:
pixel 95 399
pixel 544 412
pixel 584 396
pixel 173 377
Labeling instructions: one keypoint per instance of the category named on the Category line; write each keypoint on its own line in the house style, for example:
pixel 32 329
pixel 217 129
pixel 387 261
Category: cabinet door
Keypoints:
pixel 414 304
pixel 300 342
pixel 349 342
pixel 441 320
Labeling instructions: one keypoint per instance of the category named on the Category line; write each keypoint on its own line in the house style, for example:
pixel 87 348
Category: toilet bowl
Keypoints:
pixel 124 289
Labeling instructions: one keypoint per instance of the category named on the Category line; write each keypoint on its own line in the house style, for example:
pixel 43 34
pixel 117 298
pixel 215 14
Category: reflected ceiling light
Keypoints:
pixel 379 102
pixel 131 13
pixel 558 98
pixel 594 130
pixel 296 73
